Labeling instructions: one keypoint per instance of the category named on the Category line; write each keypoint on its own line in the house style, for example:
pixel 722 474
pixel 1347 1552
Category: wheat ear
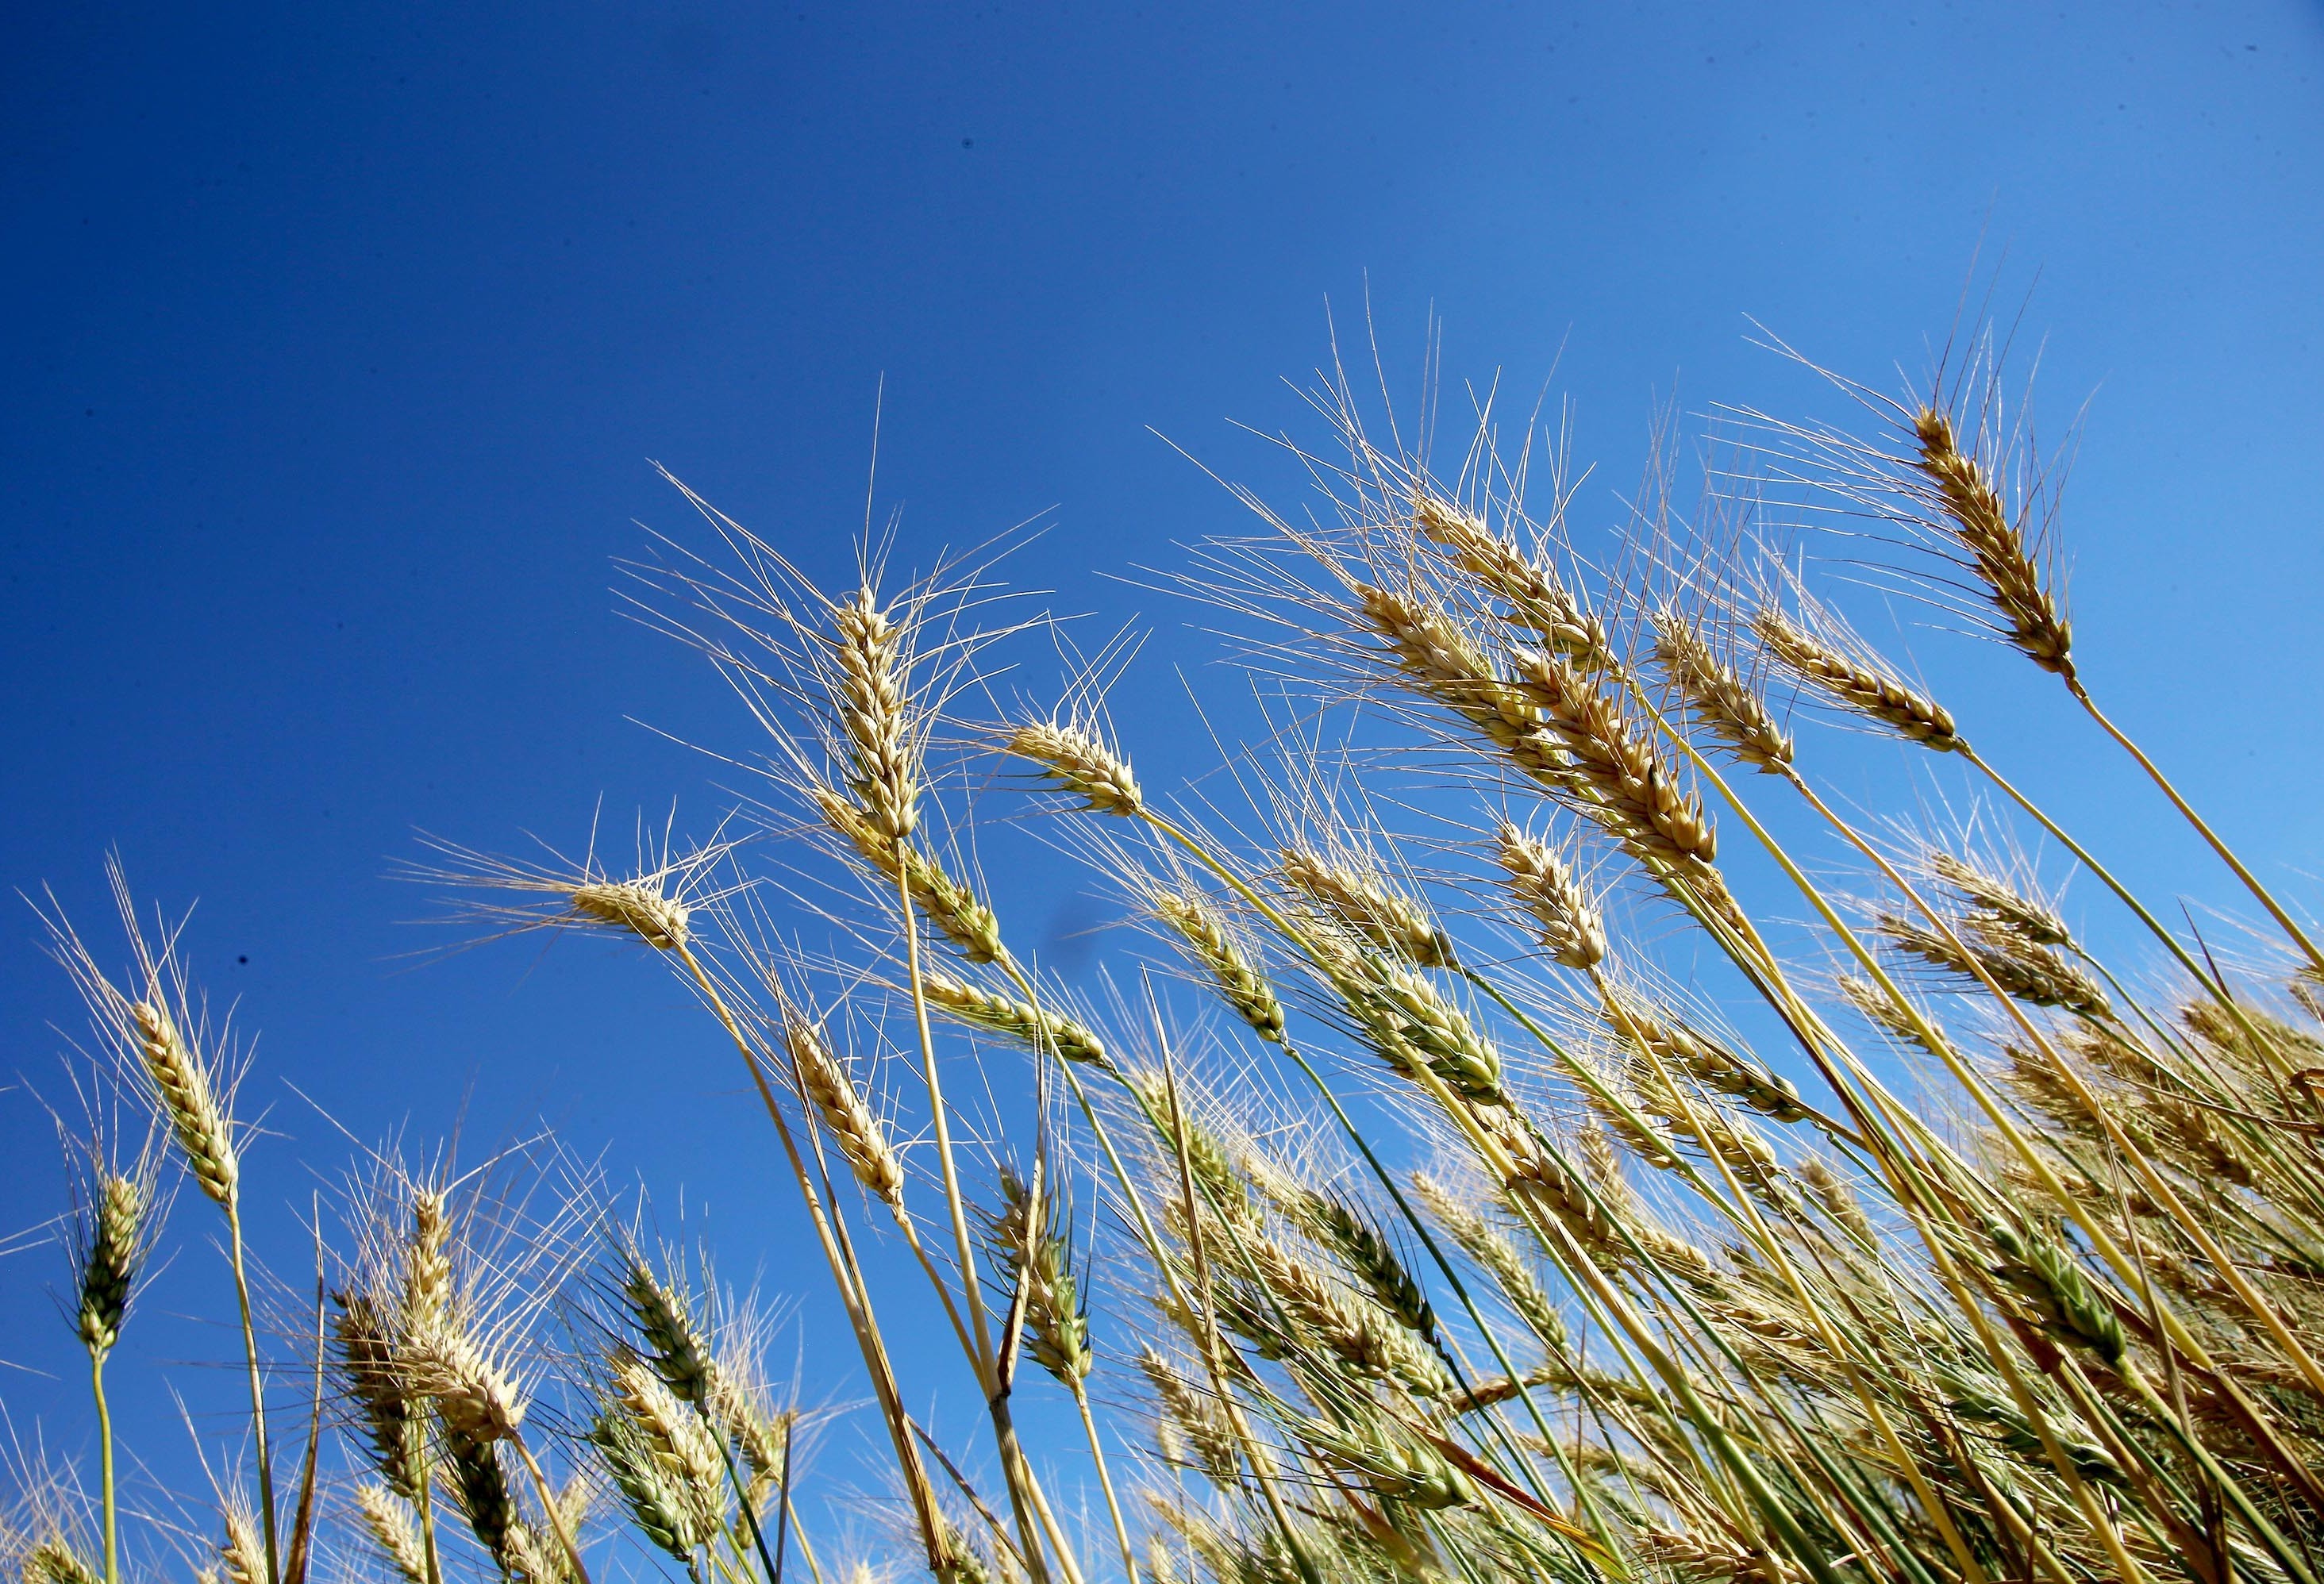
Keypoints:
pixel 1203 932
pixel 1727 705
pixel 389 1522
pixel 1538 599
pixel 1545 887
pixel 1857 684
pixel 1996 547
pixel 1018 1020
pixel 654 918
pixel 188 1097
pixel 847 1118
pixel 1081 763
pixel 1369 907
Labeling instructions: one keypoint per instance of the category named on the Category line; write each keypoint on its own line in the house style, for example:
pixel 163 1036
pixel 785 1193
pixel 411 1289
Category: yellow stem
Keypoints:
pixel 2227 854
pixel 549 1507
pixel 1105 1483
pixel 852 1295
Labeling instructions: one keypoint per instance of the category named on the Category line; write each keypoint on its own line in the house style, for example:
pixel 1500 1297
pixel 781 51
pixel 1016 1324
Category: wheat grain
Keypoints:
pixel 55 1561
pixel 478 1400
pixel 1487 1245
pixel 2027 916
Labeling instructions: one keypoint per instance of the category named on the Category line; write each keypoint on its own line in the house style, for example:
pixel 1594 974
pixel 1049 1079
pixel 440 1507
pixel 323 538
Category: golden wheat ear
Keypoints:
pixel 1995 543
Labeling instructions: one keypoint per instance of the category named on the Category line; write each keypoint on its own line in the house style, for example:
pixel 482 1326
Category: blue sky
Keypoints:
pixel 339 341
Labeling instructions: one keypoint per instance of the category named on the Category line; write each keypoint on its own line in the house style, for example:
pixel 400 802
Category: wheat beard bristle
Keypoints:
pixel 657 920
pixel 184 1085
pixel 1996 547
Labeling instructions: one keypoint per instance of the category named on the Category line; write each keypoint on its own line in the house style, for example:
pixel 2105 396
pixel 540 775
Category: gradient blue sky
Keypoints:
pixel 338 339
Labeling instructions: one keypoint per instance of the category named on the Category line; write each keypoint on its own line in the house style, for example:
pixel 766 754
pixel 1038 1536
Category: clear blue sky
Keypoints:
pixel 338 338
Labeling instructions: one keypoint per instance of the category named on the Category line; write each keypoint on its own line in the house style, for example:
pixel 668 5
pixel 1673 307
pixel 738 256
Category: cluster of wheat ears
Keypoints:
pixel 1408 1219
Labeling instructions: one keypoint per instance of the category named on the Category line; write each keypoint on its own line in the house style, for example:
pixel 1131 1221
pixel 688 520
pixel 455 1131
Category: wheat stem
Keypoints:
pixel 105 1455
pixel 2227 854
pixel 1105 1483
pixel 2092 1511
pixel 257 1389
pixel 852 1295
pixel 551 1507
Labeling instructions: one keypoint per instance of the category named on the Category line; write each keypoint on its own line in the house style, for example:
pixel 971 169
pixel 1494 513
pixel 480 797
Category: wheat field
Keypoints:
pixel 1512 1157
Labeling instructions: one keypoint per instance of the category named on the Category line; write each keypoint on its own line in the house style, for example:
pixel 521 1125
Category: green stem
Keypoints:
pixel 104 1460
pixel 742 1495
pixel 427 1513
pixel 257 1389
